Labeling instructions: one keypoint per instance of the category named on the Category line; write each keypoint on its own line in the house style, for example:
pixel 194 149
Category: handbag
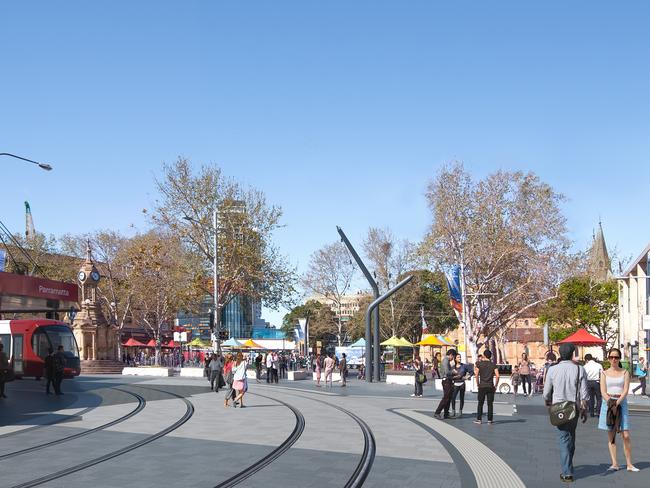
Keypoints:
pixel 421 378
pixel 564 412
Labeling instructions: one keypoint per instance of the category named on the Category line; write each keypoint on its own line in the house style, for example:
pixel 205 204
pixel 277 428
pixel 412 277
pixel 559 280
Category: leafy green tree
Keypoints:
pixel 323 324
pixel 583 303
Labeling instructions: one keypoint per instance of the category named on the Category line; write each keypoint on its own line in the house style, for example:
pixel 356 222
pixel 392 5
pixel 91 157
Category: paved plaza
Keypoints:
pixel 112 431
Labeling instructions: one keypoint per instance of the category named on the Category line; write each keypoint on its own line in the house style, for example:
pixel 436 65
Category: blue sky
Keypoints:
pixel 340 111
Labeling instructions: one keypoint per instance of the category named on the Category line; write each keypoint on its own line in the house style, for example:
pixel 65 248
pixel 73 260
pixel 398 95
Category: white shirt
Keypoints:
pixel 269 361
pixel 593 370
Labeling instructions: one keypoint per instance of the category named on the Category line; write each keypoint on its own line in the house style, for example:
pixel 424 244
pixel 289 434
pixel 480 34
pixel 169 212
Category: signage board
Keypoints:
pixel 646 322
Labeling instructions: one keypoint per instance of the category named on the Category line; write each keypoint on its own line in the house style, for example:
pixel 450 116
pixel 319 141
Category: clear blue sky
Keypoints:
pixel 340 111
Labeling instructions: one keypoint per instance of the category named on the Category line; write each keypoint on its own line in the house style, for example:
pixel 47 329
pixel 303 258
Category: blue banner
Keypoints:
pixel 3 258
pixel 455 291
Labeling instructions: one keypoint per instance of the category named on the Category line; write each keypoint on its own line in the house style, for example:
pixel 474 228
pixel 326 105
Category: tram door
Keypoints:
pixel 18 354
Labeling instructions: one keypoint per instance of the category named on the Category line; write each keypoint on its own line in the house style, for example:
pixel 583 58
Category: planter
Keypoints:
pixel 192 372
pixel 147 371
pixel 296 375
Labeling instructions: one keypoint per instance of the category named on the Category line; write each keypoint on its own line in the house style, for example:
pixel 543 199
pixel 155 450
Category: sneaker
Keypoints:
pixel 633 468
pixel 478 422
pixel 413 395
pixel 437 416
pixel 566 478
pixel 460 414
pixel 453 414
pixel 490 422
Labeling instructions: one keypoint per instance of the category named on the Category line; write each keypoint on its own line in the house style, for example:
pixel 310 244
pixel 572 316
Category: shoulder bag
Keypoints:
pixel 564 412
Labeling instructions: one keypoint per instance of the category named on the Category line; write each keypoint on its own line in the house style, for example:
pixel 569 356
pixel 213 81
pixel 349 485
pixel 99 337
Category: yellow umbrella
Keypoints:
pixel 250 344
pixel 431 341
pixel 393 341
pixel 405 343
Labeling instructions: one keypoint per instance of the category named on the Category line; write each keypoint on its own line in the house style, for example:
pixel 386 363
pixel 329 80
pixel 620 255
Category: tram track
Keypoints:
pixel 113 454
pixel 141 404
pixel 298 429
pixel 361 471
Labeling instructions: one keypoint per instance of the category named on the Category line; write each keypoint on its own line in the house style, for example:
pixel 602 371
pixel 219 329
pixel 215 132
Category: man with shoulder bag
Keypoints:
pixel 566 395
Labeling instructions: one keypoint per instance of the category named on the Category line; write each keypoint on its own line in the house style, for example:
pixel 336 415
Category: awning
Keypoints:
pixel 251 344
pixel 431 341
pixel 583 338
pixel 133 343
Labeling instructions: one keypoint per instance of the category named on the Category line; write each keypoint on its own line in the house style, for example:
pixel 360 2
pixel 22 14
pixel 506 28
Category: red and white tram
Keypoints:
pixel 26 343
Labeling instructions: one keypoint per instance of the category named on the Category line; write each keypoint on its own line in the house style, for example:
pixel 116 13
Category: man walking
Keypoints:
pixel 446 373
pixel 593 370
pixel 269 367
pixel 258 366
pixel 343 370
pixel 560 386
pixel 275 364
pixel 59 368
pixel 641 372
pixel 487 379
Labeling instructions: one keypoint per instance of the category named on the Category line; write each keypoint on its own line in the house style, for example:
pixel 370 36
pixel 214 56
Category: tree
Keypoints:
pixel 508 234
pixel 248 262
pixel 329 275
pixel 322 321
pixel 426 295
pixel 40 255
pixel 583 303
pixel 164 278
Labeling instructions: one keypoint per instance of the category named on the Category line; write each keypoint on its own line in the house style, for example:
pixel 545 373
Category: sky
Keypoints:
pixel 341 112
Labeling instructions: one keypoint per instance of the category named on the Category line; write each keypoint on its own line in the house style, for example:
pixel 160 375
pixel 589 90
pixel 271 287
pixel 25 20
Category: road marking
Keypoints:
pixel 490 471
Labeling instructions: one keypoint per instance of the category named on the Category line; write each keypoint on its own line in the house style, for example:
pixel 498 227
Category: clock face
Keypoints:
pixel 94 275
pixel 81 276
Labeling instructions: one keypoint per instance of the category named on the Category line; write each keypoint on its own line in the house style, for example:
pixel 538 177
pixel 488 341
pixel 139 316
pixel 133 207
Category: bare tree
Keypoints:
pixel 329 276
pixel 509 235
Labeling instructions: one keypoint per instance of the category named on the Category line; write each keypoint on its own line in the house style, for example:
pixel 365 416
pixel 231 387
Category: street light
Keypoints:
pixel 214 276
pixel 44 166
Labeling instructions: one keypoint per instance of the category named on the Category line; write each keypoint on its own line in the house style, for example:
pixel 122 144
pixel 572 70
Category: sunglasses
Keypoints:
pixel 614 357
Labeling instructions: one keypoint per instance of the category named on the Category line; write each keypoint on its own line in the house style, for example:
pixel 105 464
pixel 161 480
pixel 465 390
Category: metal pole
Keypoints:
pixel 216 282
pixel 465 315
pixel 373 306
pixel 371 347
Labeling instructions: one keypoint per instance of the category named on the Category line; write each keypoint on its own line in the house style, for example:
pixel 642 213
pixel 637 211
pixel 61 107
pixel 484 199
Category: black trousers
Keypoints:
pixel 418 385
pixel 642 382
pixel 268 375
pixel 447 390
pixel 525 380
pixel 48 381
pixel 595 398
pixel 484 393
pixel 274 375
pixel 458 390
pixel 58 379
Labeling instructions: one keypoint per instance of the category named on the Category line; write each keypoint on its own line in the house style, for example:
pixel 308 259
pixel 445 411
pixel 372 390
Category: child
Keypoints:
pixel 515 379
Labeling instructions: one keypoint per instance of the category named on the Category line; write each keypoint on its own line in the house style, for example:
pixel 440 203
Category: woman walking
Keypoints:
pixel 460 374
pixel 419 372
pixel 329 367
pixel 228 375
pixel 614 415
pixel 641 372
pixel 317 364
pixel 524 374
pixel 240 383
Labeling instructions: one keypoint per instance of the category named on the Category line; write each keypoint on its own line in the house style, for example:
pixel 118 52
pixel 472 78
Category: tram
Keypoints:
pixel 26 343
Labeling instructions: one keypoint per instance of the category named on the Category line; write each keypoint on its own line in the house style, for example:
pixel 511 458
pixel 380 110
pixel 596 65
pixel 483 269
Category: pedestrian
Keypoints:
pixel 593 370
pixel 4 367
pixel 446 373
pixel 515 380
pixel 59 369
pixel 641 372
pixel 487 378
pixel 258 367
pixel 275 365
pixel 614 414
pixel 566 381
pixel 49 371
pixel 329 367
pixel 524 371
pixel 435 367
pixel 317 368
pixel 283 366
pixel 228 377
pixel 206 367
pixel 419 373
pixel 343 370
pixel 269 366
pixel 240 382
pixel 461 373
pixel 216 371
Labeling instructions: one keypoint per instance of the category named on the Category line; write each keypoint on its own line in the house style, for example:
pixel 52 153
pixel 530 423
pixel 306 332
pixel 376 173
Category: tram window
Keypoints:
pixel 40 344
pixel 5 339
pixel 61 336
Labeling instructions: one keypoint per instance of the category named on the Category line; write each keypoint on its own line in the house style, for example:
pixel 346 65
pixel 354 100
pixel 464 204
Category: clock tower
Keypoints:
pixel 96 338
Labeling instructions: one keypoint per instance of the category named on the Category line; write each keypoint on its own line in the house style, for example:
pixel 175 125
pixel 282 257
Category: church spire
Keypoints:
pixel 598 262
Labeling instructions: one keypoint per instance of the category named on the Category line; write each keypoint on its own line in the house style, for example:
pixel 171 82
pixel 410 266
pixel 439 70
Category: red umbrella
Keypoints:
pixel 583 338
pixel 133 343
pixel 171 344
pixel 151 343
